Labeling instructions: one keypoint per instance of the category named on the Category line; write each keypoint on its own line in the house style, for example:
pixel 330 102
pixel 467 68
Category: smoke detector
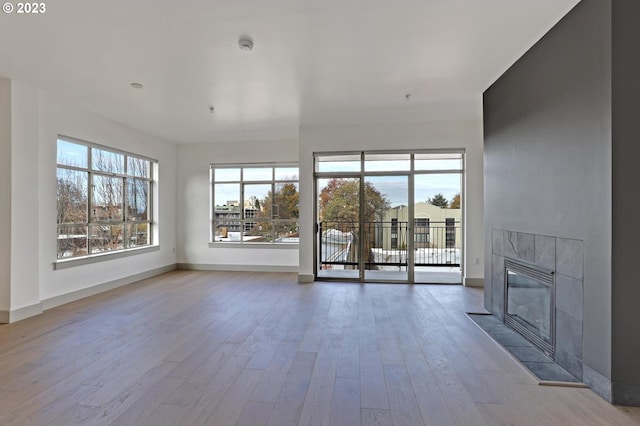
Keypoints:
pixel 245 43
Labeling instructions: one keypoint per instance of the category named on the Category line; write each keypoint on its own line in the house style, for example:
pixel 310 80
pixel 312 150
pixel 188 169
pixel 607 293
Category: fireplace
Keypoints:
pixel 530 303
pixel 556 263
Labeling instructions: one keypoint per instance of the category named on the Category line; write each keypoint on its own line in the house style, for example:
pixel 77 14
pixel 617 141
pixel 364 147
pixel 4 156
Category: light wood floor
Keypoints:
pixel 216 348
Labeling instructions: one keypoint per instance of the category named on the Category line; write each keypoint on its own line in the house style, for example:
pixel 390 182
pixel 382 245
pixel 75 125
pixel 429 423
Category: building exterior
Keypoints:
pixel 230 220
pixel 434 227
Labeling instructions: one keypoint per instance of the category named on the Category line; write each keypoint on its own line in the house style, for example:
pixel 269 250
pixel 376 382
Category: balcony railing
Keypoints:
pixel 385 243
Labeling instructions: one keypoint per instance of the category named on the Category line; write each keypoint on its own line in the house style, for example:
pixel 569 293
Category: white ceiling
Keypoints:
pixel 314 61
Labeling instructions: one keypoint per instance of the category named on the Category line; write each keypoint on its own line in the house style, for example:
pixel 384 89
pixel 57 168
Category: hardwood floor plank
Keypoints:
pixel 50 406
pixel 288 405
pixel 201 354
pixel 191 389
pixel 121 393
pixel 208 347
pixel 231 405
pixel 275 375
pixel 148 403
pixel 261 344
pixel 345 410
pixel 373 388
pixel 316 328
pixel 389 350
pixel 317 405
pixel 366 321
pixel 460 403
pixel 209 397
pixel 508 414
pixel 349 357
pixel 255 414
pixel 402 400
pixel 76 415
pixel 375 417
pixel 431 401
pixel 166 415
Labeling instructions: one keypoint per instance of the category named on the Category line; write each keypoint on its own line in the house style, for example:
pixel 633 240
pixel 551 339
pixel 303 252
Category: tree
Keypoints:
pixel 340 209
pixel 71 196
pixel 455 202
pixel 438 200
pixel 339 201
pixel 282 203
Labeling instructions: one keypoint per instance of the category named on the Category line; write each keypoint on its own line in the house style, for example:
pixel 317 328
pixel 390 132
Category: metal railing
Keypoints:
pixel 384 244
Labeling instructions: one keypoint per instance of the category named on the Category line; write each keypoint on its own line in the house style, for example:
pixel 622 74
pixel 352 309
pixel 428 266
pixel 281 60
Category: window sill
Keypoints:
pixel 261 246
pixel 95 258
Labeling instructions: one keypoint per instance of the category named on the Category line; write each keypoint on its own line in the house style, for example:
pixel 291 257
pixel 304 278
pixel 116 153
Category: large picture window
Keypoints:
pixel 254 203
pixel 104 199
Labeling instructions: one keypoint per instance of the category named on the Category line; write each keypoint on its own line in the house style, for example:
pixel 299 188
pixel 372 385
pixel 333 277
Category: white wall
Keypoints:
pixel 465 134
pixel 25 171
pixel 194 211
pixel 57 117
pixel 36 121
pixel 194 194
pixel 5 198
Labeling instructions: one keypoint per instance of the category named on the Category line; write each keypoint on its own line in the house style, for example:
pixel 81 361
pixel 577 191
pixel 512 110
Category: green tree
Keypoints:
pixel 438 200
pixel 455 202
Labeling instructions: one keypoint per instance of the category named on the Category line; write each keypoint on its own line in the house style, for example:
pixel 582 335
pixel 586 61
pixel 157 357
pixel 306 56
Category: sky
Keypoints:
pixel 394 188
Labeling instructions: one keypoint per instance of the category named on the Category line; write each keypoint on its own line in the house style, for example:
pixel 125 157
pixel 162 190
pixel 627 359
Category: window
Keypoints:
pixel 421 231
pixel 450 236
pixel 394 233
pixel 254 203
pixel 103 199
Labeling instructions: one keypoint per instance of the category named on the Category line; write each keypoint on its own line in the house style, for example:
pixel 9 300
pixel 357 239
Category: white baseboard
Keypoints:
pixel 474 282
pixel 236 268
pixel 25 312
pixel 7 317
pixel 100 288
pixel 305 278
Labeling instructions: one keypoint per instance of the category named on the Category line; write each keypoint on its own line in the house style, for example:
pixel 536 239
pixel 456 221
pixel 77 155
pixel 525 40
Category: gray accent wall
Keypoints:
pixel 548 165
pixel 626 201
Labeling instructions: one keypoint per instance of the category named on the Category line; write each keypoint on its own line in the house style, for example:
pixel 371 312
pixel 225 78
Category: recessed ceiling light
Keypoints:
pixel 137 85
pixel 245 43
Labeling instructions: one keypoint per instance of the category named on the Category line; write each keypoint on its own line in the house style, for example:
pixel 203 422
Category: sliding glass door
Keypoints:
pixel 339 231
pixel 437 225
pixel 386 230
pixel 389 217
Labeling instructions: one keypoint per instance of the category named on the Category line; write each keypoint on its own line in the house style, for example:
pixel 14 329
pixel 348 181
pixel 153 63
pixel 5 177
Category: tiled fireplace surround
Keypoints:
pixel 563 256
